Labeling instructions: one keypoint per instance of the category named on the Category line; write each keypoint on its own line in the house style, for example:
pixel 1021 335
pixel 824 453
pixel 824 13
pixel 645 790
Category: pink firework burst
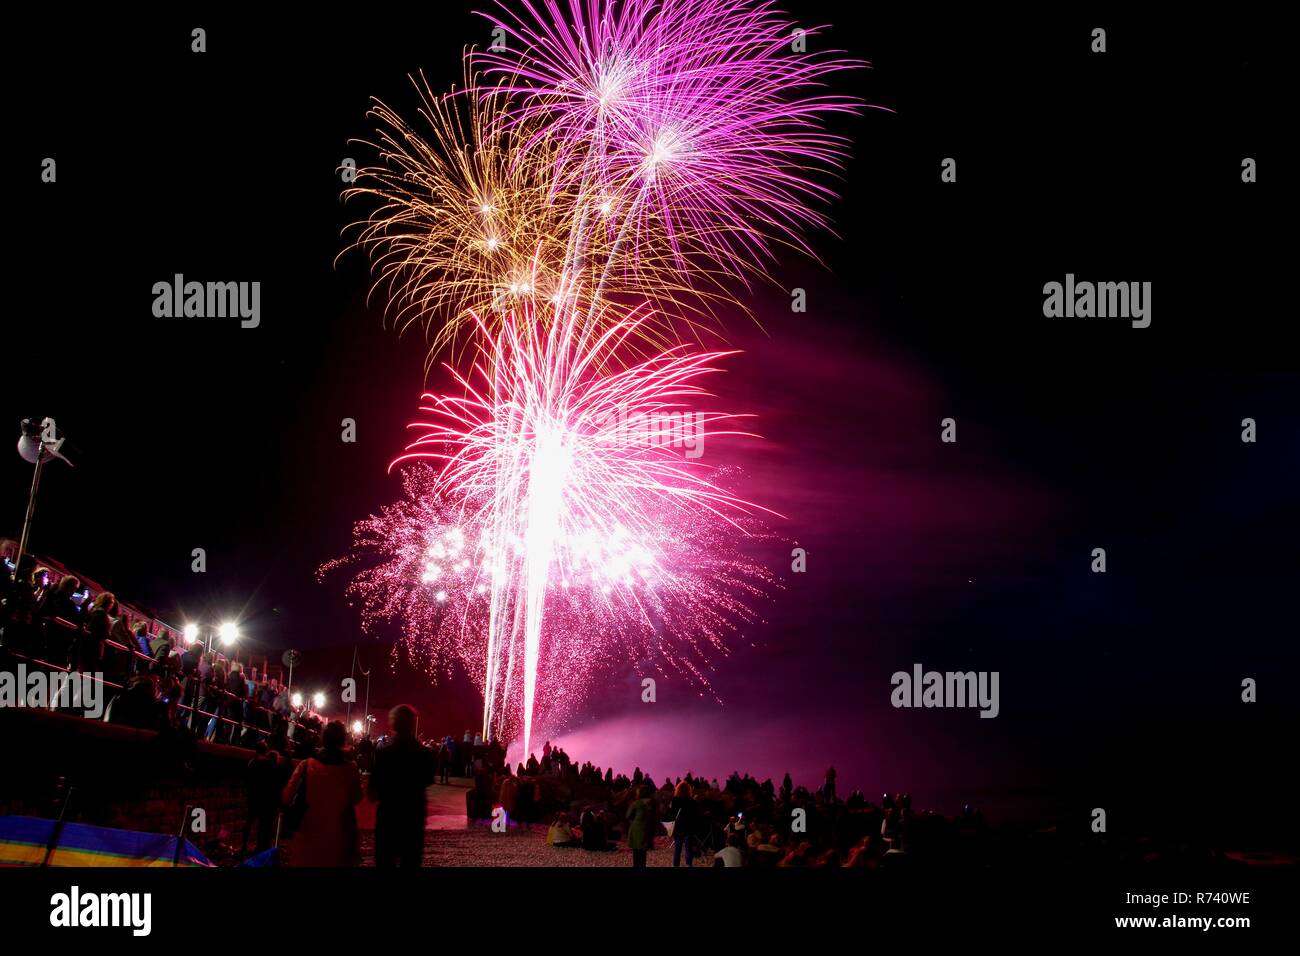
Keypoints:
pixel 392 559
pixel 408 570
pixel 702 121
pixel 571 525
pixel 569 455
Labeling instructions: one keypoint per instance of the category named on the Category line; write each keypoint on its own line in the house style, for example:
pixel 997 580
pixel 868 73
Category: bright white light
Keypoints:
pixel 441 595
pixel 666 148
pixel 357 727
pixel 191 633
pixel 492 243
pixel 228 632
pixel 296 700
pixel 609 85
pixel 318 700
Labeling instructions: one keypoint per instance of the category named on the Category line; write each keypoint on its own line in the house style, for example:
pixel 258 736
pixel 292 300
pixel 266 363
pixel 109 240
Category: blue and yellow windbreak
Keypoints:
pixel 24 841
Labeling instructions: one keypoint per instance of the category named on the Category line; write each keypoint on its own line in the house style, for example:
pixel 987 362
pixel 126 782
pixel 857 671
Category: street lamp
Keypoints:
pixel 39 443
pixel 228 632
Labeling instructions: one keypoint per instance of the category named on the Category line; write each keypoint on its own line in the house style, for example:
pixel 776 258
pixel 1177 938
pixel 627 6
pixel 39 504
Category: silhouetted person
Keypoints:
pixel 403 771
pixel 594 835
pixel 266 779
pixel 640 827
pixel 88 649
pixel 20 601
pixel 57 603
pixel 684 814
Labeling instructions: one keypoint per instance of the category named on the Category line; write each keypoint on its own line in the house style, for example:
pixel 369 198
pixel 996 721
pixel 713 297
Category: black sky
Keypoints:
pixel 1123 166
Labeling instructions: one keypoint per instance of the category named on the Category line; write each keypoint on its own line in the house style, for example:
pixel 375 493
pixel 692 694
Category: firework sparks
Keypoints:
pixel 669 602
pixel 467 220
pixel 636 163
pixel 475 217
pixel 696 120
pixel 570 495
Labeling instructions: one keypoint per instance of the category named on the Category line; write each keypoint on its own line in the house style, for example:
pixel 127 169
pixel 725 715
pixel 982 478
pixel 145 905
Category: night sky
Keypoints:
pixel 1119 689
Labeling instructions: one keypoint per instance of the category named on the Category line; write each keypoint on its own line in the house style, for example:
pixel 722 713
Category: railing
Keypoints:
pixel 70 634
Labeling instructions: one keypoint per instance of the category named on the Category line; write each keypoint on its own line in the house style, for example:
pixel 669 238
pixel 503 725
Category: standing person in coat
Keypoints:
pixel 160 650
pixel 404 770
pixel 684 813
pixel 120 664
pixel 265 781
pixel 641 826
pixel 88 651
pixel 57 603
pixel 328 833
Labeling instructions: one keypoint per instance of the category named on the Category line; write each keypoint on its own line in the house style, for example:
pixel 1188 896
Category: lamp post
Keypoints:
pixel 369 719
pixel 366 674
pixel 39 443
pixel 289 658
pixel 353 679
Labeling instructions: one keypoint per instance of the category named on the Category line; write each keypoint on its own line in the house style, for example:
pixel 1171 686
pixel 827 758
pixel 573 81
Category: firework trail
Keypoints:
pixel 427 566
pixel 566 221
pixel 692 589
pixel 579 469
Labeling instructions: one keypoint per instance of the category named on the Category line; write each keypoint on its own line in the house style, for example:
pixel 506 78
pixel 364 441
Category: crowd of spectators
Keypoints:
pixel 152 677
pixel 157 680
pixel 738 822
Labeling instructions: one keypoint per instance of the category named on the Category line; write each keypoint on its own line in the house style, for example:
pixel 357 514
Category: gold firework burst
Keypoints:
pixel 475 214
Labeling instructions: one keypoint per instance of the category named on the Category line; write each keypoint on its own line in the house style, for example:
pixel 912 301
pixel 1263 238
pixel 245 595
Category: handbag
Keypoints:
pixel 672 823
